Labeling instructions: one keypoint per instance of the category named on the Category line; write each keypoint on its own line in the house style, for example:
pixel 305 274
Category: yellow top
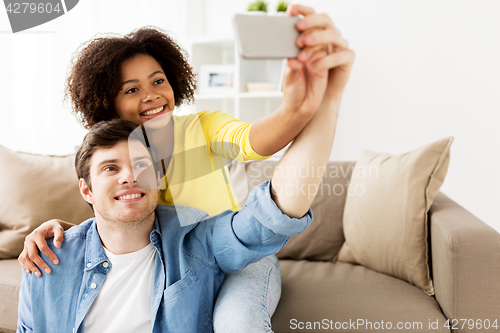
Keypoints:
pixel 197 175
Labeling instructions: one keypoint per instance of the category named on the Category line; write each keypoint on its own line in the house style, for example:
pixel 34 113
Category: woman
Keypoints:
pixel 143 76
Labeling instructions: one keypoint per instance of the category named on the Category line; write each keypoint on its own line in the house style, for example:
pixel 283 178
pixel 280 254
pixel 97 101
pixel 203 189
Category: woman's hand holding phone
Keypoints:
pixel 321 70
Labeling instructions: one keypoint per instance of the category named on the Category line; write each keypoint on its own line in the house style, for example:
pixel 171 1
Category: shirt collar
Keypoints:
pixel 155 235
pixel 94 251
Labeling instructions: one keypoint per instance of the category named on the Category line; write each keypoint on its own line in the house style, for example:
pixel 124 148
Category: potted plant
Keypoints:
pixel 282 6
pixel 258 6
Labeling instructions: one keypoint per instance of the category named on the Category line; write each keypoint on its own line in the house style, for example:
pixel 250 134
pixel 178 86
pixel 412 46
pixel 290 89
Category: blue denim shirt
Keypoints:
pixel 189 268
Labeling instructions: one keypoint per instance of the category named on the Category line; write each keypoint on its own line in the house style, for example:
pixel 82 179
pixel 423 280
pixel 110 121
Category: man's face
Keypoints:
pixel 115 195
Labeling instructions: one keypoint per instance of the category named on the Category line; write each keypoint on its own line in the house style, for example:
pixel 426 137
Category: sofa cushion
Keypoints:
pixel 385 218
pixel 345 293
pixel 10 283
pixel 323 238
pixel 35 189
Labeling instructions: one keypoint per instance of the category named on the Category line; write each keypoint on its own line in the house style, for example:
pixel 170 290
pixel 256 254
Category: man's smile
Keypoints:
pixel 129 196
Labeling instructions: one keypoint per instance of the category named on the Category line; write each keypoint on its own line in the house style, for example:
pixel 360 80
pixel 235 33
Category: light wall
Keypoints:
pixel 34 64
pixel 424 70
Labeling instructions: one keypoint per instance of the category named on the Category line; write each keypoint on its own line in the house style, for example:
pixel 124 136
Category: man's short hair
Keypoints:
pixel 104 134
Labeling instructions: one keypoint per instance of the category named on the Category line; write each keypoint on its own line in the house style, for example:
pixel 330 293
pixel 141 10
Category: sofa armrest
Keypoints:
pixel 465 263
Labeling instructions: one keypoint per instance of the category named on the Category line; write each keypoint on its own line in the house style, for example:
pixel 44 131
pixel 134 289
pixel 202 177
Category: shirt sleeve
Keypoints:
pixel 256 231
pixel 25 314
pixel 227 136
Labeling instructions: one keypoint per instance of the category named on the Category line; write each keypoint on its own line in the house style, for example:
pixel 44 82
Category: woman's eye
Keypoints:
pixel 159 81
pixel 131 90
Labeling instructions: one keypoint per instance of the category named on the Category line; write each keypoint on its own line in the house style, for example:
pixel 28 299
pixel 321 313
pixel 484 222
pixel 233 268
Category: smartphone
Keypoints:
pixel 262 36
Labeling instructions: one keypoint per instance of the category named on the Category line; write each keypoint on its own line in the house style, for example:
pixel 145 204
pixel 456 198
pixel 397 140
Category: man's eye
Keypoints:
pixel 110 169
pixel 131 90
pixel 159 81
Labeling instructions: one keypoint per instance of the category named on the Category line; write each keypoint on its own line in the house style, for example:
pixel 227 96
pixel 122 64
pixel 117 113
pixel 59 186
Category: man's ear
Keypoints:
pixel 86 192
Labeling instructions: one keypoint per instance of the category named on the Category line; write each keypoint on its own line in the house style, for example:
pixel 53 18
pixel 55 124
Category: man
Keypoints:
pixel 135 258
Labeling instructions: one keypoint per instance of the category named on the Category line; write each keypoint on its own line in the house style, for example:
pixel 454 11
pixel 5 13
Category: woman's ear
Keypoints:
pixel 86 192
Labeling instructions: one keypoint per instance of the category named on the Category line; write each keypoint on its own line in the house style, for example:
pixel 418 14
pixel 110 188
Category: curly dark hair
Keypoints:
pixel 95 77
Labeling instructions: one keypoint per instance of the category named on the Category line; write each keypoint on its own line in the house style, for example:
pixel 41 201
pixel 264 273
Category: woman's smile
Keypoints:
pixel 153 112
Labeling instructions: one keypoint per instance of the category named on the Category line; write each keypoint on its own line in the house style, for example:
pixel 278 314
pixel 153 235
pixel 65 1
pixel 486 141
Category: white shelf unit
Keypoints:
pixel 246 106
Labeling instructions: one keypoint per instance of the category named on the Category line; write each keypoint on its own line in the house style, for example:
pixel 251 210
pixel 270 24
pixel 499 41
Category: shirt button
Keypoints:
pixel 89 264
pixel 105 264
pixel 93 285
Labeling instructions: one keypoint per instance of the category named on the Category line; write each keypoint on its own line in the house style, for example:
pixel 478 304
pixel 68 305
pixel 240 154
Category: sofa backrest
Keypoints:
pixel 322 240
pixel 34 189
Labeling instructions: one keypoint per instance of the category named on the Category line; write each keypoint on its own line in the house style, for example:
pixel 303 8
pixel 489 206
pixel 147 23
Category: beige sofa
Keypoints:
pixel 342 297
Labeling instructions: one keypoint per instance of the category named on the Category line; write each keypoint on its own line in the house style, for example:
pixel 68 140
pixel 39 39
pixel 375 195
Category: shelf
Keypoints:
pixel 224 95
pixel 245 106
pixel 213 41
pixel 229 95
pixel 263 94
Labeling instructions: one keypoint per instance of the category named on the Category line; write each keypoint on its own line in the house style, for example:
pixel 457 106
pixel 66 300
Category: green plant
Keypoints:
pixel 258 5
pixel 282 6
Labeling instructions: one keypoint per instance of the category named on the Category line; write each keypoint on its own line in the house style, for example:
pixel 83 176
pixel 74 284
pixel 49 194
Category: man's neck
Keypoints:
pixel 122 238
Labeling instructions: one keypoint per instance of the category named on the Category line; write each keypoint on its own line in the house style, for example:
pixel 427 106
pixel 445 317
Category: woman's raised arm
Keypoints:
pixel 303 86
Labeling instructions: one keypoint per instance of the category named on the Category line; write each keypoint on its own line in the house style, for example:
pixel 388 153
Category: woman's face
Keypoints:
pixel 145 92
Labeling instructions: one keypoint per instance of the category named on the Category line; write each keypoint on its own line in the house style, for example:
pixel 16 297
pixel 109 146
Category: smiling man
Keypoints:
pixel 134 268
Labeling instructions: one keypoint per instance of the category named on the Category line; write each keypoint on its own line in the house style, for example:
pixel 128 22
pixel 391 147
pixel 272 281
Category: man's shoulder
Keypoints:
pixel 74 239
pixel 183 220
pixel 80 230
pixel 168 212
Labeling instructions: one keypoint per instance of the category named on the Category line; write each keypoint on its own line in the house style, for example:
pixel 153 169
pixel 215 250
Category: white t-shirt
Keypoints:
pixel 124 301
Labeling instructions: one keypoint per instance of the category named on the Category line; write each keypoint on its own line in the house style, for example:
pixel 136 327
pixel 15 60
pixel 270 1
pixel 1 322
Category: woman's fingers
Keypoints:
pixel 29 259
pixel 294 10
pixel 316 36
pixel 336 59
pixel 314 53
pixel 312 21
pixel 41 243
pixel 294 66
pixel 308 53
pixel 35 257
pixel 34 242
pixel 58 239
pixel 320 54
pixel 25 262
pixel 25 259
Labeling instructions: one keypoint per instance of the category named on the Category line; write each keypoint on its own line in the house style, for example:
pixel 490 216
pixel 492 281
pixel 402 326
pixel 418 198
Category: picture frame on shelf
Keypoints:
pixel 217 79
